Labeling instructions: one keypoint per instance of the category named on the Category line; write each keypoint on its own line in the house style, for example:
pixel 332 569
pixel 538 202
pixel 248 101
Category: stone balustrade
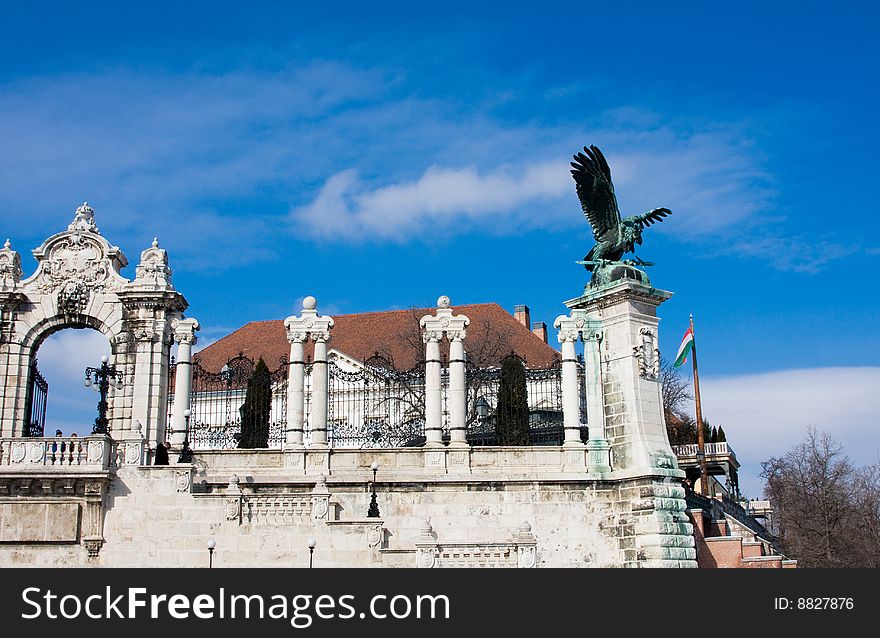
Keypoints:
pixel 712 449
pixel 93 453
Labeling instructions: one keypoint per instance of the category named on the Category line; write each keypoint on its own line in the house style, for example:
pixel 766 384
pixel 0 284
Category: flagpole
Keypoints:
pixel 701 439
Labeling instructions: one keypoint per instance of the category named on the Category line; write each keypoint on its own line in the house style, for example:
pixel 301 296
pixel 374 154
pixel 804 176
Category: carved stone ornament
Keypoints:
pixel 320 507
pixel 37 452
pixel 648 354
pixel 153 270
pixel 183 480
pixel 374 536
pixel 233 509
pixel 93 489
pixel 84 220
pixel 10 267
pixel 133 453
pixel 527 557
pixel 93 546
pixel 73 298
pixel 185 330
pixel 96 452
pixel 18 452
pixel 309 323
pixel 426 558
pixel 76 264
pixel 443 321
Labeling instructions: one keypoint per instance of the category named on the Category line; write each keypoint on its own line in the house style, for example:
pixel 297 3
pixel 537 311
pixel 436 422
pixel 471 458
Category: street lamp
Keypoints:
pixel 99 380
pixel 373 512
pixel 312 543
pixel 186 454
pixel 482 407
pixel 211 545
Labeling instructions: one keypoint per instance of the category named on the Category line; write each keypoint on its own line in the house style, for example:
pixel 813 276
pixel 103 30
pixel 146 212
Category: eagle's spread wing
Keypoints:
pixel 652 216
pixel 595 190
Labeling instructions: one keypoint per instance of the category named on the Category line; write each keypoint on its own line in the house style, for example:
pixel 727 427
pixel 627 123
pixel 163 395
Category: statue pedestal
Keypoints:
pixel 629 372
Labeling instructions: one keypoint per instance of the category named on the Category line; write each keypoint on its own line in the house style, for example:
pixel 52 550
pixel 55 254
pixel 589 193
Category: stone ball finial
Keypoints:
pixel 7 245
pixel 310 303
pixel 525 528
pixel 322 480
pixel 233 480
pixel 443 302
pixel 155 243
pixel 425 528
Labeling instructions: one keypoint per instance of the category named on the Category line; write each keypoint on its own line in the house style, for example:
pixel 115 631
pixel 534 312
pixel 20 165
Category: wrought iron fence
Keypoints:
pixel 371 405
pixel 544 391
pixel 376 406
pixel 38 389
pixel 217 399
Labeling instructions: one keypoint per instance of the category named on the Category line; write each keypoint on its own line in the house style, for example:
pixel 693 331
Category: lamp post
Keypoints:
pixel 373 512
pixel 211 545
pixel 99 379
pixel 186 454
pixel 312 543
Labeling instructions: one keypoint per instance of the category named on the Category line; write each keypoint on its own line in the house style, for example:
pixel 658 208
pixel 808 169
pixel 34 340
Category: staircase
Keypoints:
pixel 725 540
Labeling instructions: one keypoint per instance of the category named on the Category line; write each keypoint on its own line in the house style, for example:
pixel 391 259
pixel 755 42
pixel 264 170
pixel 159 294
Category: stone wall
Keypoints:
pixel 500 507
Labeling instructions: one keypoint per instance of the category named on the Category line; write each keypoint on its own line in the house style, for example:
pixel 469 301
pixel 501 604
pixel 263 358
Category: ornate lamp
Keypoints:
pixel 99 380
pixel 373 512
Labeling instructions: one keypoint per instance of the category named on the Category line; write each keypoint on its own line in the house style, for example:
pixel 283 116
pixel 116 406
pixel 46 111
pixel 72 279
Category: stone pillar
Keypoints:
pixel 628 362
pixel 457 390
pixel 296 375
pixel 571 409
pixel 185 336
pixel 320 383
pixel 571 328
pixel 433 391
pixel 433 329
pixel 308 325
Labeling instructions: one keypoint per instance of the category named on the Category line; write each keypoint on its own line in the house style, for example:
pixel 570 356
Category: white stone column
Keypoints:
pixel 185 336
pixel 308 325
pixel 457 390
pixel 433 329
pixel 593 384
pixel 433 391
pixel 571 409
pixel 320 383
pixel 295 390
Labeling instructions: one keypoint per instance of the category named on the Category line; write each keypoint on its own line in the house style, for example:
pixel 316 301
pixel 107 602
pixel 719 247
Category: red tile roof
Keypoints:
pixel 492 334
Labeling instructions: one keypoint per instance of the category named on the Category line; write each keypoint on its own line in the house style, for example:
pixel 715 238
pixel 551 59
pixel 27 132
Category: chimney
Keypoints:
pixel 540 329
pixel 521 314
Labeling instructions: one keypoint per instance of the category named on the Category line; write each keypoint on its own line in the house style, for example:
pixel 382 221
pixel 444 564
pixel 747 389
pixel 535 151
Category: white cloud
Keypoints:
pixel 707 178
pixel 766 414
pixel 346 207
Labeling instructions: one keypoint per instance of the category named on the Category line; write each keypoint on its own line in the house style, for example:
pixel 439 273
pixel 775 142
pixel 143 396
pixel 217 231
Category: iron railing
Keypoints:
pixel 38 390
pixel 371 405
pixel 217 399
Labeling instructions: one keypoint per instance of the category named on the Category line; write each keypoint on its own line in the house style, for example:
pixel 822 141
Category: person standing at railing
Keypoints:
pixel 162 453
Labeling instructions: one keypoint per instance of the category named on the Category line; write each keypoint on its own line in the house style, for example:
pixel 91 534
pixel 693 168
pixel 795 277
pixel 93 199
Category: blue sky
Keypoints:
pixel 378 158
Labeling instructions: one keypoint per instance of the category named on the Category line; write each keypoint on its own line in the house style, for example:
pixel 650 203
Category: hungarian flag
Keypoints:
pixel 687 345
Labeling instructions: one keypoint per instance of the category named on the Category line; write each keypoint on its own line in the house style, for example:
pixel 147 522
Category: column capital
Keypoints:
pixel 444 320
pixel 185 330
pixel 309 323
pixel 577 325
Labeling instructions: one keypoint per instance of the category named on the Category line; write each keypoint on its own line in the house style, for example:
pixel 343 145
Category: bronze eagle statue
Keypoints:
pixel 614 236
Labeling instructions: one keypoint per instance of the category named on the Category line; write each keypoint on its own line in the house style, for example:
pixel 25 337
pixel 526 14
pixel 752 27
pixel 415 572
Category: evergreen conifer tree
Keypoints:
pixel 256 409
pixel 512 415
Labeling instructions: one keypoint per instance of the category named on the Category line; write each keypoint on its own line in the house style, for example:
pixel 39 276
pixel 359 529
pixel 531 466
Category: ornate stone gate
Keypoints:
pixel 77 284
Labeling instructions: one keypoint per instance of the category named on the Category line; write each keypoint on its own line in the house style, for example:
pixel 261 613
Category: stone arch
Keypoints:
pixel 77 284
